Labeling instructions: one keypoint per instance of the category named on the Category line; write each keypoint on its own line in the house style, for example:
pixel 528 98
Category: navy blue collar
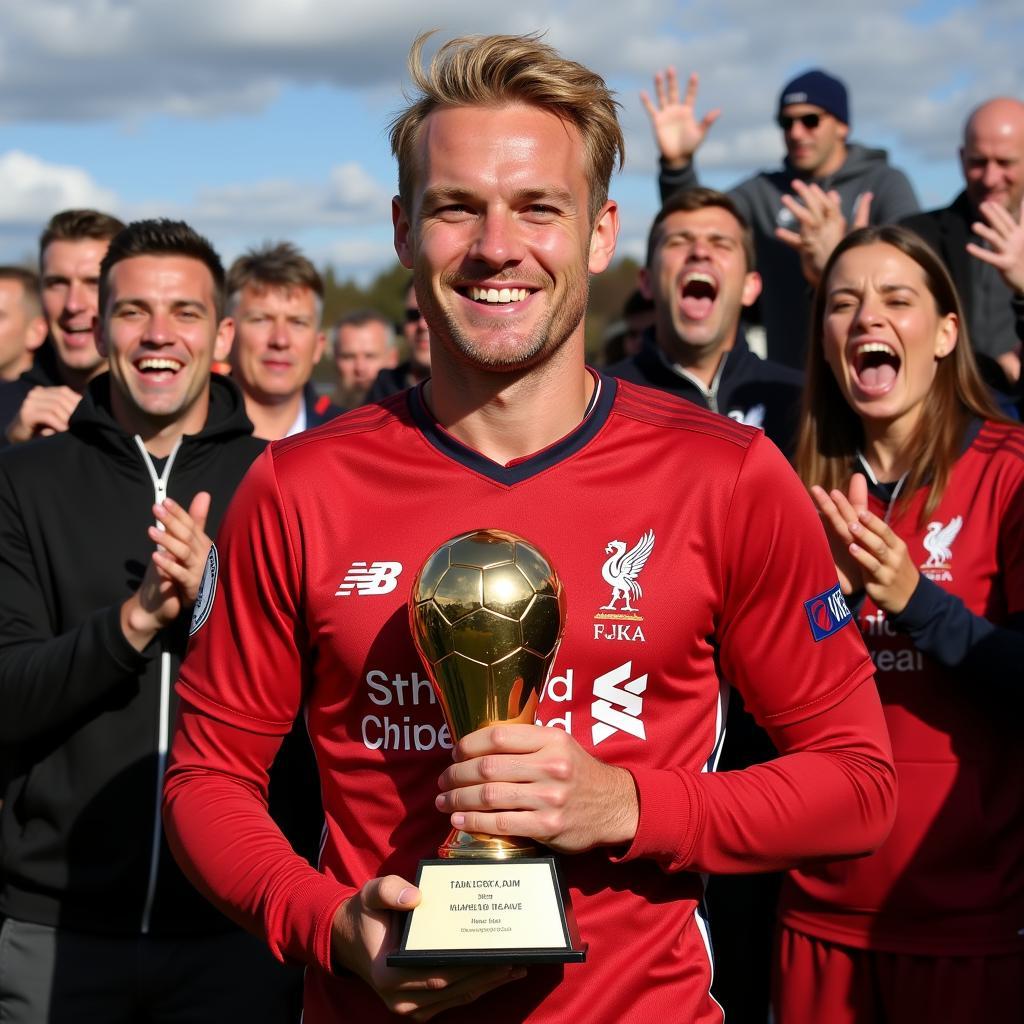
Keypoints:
pixel 519 469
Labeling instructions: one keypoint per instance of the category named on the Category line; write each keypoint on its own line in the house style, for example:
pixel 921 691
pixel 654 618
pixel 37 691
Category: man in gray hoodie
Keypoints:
pixel 800 211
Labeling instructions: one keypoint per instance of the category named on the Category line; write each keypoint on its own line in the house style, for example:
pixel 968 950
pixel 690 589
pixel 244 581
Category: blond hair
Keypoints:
pixel 477 71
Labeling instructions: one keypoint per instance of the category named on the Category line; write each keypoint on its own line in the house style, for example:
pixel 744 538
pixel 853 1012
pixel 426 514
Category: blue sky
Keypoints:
pixel 256 119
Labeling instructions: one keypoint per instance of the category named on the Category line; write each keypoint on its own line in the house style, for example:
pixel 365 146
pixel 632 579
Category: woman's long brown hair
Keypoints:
pixel 831 432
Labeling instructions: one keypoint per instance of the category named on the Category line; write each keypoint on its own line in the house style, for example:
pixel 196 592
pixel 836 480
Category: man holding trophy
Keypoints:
pixel 585 567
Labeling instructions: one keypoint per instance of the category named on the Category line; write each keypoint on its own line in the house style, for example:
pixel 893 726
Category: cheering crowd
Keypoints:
pixel 815 815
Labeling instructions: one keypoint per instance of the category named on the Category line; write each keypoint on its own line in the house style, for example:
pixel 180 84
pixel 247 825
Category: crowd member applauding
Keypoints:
pixel 986 221
pixel 800 210
pixel 919 481
pixel 43 398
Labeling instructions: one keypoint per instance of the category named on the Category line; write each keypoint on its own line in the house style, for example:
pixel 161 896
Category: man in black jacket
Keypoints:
pixel 95 598
pixel 700 274
pixel 980 236
pixel 42 399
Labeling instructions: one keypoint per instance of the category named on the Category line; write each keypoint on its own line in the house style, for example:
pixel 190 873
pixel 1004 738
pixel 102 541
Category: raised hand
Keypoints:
pixel 838 510
pixel 171 581
pixel 890 575
pixel 1005 236
pixel 365 929
pixel 44 411
pixel 538 782
pixel 822 225
pixel 676 129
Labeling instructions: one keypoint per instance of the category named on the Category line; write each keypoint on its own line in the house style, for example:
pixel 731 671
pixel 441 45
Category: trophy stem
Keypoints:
pixel 476 846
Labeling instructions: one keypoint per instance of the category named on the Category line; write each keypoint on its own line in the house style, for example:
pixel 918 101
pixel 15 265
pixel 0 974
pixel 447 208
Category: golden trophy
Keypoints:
pixel 487 611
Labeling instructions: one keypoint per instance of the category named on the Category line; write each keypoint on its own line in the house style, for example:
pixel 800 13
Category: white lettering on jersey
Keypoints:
pixel 618 704
pixel 370 580
pixel 397 731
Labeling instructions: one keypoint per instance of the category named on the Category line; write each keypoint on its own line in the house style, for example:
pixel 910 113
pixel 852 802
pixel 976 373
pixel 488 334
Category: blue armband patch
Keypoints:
pixel 827 613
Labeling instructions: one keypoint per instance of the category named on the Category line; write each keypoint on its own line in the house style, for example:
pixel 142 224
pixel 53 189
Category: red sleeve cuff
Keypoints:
pixel 671 810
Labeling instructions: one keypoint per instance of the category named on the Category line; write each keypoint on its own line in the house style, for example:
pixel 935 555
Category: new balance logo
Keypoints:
pixel 369 580
pixel 618 704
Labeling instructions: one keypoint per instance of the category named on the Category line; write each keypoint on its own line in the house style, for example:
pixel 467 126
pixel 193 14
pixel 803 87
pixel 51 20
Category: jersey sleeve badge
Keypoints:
pixel 827 613
pixel 207 590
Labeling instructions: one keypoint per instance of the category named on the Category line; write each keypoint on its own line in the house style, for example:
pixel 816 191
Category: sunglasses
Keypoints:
pixel 807 120
pixel 412 315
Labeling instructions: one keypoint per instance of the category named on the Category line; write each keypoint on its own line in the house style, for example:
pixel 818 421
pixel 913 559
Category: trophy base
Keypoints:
pixel 495 912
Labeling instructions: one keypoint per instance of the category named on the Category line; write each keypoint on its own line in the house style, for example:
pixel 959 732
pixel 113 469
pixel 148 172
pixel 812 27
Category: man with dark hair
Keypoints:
pixel 986 222
pixel 363 344
pixel 701 275
pixel 503 214
pixel 22 325
pixel 43 398
pixel 104 534
pixel 799 212
pixel 276 300
pixel 416 367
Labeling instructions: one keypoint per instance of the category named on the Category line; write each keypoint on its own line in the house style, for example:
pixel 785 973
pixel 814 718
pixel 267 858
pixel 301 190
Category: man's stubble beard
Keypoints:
pixel 561 319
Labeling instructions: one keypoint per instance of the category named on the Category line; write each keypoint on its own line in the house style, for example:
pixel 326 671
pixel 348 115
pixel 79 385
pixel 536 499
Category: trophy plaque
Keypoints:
pixel 487 611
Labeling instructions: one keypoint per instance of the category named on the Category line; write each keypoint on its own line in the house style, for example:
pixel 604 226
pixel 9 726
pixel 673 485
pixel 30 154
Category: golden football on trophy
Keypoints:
pixel 487 612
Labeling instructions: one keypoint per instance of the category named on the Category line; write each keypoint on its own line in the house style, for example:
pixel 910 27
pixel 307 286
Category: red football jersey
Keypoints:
pixel 316 561
pixel 949 880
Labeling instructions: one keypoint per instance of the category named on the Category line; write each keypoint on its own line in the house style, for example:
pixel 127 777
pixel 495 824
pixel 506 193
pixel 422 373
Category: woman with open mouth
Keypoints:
pixel 920 484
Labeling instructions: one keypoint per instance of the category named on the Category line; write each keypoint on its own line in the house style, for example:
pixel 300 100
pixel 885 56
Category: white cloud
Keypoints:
pixel 31 190
pixel 913 73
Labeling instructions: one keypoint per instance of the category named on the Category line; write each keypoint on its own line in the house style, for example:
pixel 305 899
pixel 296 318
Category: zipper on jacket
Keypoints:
pixel 709 394
pixel 159 482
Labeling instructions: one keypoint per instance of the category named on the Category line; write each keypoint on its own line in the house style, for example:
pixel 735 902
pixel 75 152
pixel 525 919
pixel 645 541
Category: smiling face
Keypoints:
pixel 699 283
pixel 883 333
pixel 992 156
pixel 70 273
pixel 499 236
pixel 161 333
pixel 277 340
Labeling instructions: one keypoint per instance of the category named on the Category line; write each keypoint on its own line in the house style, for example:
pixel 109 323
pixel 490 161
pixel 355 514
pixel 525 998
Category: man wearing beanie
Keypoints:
pixel 799 211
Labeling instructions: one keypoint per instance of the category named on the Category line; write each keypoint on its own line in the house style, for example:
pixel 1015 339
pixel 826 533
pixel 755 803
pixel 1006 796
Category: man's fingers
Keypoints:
pixel 998 216
pixel 692 84
pixel 993 237
pixel 799 210
pixel 199 509
pixel 710 118
pixel 391 892
pixel 659 89
pixel 862 211
pixel 468 990
pixel 995 259
pixel 506 738
pixel 645 99
pixel 174 546
pixel 790 238
pixel 492 796
pixel 511 768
